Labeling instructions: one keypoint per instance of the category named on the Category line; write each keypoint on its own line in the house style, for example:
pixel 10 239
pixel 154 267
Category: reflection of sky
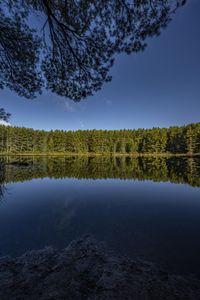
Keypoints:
pixel 157 221
pixel 160 87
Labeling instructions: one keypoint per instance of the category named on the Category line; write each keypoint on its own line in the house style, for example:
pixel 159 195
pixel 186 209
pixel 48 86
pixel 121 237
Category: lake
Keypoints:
pixel 141 207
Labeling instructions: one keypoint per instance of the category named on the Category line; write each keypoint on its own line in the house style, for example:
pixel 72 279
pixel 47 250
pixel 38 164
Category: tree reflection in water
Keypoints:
pixel 160 169
pixel 2 180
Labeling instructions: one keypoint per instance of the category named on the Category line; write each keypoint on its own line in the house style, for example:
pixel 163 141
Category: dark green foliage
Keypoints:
pixel 174 140
pixel 72 48
pixel 4 115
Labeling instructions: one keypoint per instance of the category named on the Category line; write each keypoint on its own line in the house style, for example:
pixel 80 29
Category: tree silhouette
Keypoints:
pixel 69 46
pixel 4 115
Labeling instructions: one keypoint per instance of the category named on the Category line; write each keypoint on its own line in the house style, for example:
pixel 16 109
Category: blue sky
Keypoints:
pixel 159 87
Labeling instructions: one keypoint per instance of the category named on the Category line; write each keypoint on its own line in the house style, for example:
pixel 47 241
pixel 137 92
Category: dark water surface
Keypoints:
pixel 146 207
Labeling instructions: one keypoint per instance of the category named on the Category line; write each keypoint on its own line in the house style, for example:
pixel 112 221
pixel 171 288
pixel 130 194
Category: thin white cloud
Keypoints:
pixel 69 106
pixel 108 102
pixel 2 122
pixel 82 124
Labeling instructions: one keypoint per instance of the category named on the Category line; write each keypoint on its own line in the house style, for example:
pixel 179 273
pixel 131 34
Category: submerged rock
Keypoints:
pixel 87 270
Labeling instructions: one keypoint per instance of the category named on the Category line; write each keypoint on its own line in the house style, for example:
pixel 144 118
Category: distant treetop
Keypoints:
pixel 68 46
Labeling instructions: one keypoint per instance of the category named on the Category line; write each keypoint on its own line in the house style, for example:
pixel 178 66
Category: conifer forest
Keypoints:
pixel 173 140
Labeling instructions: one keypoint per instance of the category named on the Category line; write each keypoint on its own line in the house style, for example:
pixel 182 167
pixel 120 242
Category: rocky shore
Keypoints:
pixel 87 270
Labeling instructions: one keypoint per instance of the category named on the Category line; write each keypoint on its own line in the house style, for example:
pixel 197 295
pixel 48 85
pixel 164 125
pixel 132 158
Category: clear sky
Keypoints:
pixel 159 87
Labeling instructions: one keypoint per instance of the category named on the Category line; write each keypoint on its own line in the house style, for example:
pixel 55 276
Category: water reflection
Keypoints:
pixel 2 180
pixel 161 169
pixel 155 221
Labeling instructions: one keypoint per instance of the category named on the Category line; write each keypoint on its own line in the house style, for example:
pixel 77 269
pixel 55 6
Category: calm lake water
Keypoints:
pixel 142 207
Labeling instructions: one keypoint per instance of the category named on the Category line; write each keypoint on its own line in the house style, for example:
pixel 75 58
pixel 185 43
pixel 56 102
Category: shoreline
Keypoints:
pixel 134 155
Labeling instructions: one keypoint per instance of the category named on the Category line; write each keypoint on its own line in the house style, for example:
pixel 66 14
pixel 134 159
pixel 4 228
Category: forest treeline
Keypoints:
pixel 173 140
pixel 173 169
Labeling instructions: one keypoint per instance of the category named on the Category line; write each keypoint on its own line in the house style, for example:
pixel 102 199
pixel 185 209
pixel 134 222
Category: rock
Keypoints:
pixel 86 270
